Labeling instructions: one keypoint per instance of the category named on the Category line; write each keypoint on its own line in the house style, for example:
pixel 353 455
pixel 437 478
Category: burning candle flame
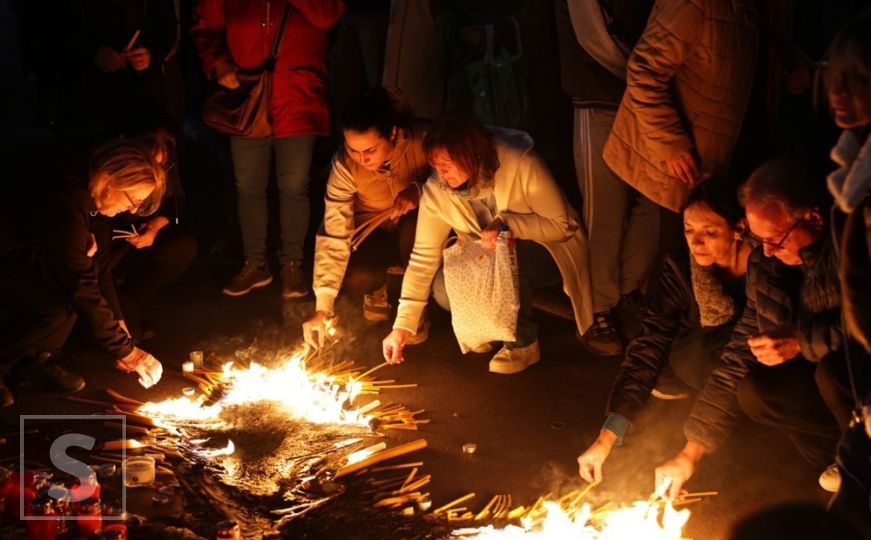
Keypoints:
pixel 643 520
pixel 312 396
pixel 217 452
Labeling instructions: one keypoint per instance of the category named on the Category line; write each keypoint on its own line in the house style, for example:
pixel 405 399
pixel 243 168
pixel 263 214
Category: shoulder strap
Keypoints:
pixel 279 37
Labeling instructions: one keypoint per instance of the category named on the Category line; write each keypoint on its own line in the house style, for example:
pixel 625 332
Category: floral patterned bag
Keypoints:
pixel 483 289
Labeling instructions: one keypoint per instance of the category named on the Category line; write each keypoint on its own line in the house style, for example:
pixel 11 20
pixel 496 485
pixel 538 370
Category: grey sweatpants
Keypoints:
pixel 622 224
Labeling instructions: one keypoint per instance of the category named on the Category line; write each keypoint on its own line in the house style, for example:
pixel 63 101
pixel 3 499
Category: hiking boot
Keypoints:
pixel 830 479
pixel 514 360
pixel 422 330
pixel 250 277
pixel 293 283
pixel 630 312
pixel 376 308
pixel 56 378
pixel 602 338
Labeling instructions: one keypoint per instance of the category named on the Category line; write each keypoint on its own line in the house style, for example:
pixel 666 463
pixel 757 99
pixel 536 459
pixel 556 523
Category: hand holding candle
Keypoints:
pixel 148 367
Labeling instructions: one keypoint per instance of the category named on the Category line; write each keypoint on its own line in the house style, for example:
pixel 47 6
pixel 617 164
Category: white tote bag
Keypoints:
pixel 483 290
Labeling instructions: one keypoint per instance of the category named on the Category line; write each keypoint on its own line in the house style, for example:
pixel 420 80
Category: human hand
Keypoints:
pixel 148 367
pixel 148 232
pixel 674 473
pixel 591 460
pixel 685 167
pixel 316 330
pixel 393 344
pixel 406 201
pixel 91 248
pixel 225 74
pixel 775 347
pixel 140 58
pixel 491 233
pixel 108 60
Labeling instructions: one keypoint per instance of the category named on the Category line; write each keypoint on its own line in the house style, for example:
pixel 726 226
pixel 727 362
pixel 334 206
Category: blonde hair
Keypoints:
pixel 124 165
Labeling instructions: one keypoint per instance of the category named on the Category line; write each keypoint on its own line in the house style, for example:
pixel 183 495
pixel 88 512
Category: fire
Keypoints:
pixel 312 396
pixel 644 520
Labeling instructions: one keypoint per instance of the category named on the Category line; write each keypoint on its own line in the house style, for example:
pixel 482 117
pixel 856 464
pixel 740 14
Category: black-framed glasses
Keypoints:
pixel 779 244
pixel 134 205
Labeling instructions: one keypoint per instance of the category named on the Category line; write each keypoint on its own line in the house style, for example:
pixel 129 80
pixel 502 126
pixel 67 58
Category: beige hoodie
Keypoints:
pixel 352 194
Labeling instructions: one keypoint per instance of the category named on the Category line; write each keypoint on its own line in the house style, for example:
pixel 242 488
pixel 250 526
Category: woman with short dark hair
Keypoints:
pixel 485 182
pixel 375 179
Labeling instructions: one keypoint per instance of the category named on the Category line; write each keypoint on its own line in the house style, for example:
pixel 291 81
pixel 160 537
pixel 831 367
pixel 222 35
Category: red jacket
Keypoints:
pixel 243 31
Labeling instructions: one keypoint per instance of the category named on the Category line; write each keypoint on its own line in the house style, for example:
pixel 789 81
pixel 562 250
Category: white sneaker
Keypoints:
pixel 830 479
pixel 509 361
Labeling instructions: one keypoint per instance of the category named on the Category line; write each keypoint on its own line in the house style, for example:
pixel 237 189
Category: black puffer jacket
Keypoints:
pixel 671 311
pixel 806 296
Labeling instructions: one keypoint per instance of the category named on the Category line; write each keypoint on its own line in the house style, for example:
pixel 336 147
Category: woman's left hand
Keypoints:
pixel 148 232
pixel 491 233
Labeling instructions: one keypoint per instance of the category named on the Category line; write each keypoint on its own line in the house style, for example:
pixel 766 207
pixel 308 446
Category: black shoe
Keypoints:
pixel 602 338
pixel 6 398
pixel 59 379
pixel 630 312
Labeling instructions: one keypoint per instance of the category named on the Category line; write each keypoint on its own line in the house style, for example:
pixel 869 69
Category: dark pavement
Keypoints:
pixel 528 427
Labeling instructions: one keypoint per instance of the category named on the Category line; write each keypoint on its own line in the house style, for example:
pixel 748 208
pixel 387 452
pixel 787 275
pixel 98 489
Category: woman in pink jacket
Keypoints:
pixel 238 34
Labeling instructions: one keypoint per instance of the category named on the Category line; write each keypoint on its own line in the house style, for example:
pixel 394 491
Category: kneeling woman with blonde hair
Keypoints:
pixel 46 266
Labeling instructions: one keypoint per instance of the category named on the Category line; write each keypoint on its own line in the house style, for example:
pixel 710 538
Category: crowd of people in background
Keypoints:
pixel 595 132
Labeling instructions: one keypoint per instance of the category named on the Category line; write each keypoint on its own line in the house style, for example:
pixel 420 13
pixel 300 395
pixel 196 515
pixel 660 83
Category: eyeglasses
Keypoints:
pixel 779 244
pixel 134 204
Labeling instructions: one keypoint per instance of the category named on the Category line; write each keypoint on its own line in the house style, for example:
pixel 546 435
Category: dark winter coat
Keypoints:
pixel 807 297
pixel 672 309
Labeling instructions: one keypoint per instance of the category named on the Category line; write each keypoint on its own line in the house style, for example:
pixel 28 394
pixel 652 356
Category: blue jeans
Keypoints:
pixel 251 160
pixel 535 268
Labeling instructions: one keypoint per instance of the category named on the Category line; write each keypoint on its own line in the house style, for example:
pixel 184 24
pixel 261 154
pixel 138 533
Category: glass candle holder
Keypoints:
pixel 138 471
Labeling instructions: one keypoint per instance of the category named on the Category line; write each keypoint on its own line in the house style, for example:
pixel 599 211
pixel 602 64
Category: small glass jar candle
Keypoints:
pixel 138 471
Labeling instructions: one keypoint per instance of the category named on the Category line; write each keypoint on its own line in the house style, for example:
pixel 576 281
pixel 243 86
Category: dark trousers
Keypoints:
pixel 785 397
pixel 852 501
pixel 694 356
pixel 385 247
pixel 833 381
pixel 139 273
pixel 36 318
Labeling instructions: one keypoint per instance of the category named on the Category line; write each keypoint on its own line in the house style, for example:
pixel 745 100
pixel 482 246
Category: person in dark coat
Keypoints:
pixel 120 47
pixel 46 266
pixel 849 95
pixel 788 339
pixel 689 312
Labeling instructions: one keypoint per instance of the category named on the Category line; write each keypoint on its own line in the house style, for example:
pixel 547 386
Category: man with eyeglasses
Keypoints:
pixel 783 367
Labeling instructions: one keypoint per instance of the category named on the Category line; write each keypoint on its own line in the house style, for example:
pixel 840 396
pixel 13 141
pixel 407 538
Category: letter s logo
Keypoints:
pixel 70 465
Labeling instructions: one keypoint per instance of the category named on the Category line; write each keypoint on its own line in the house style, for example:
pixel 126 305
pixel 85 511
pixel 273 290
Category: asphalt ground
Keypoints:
pixel 528 427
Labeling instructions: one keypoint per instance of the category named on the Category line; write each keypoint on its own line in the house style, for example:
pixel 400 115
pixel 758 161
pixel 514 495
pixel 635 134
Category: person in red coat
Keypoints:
pixel 237 34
